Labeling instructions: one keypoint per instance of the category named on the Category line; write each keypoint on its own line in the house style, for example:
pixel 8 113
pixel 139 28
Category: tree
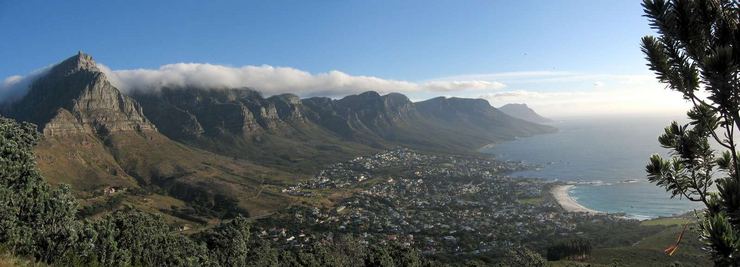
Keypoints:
pixel 36 220
pixel 575 249
pixel 133 237
pixel 262 253
pixel 228 243
pixel 697 55
pixel 523 256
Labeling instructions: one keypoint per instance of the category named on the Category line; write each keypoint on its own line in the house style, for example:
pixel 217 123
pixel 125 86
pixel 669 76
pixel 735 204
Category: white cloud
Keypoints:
pixel 275 80
pixel 16 86
pixel 562 93
pixel 555 77
pixel 595 102
pixel 515 75
pixel 453 86
pixel 553 93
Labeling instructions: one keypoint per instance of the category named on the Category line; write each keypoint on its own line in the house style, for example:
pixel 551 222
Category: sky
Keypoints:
pixel 562 58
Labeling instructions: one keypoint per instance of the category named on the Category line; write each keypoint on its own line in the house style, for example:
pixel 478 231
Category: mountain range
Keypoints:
pixel 232 149
pixel 522 111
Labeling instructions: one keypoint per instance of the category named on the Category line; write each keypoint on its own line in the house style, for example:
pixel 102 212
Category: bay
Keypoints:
pixel 607 156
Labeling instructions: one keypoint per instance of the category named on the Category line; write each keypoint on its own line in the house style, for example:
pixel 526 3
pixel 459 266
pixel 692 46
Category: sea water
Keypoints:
pixel 606 156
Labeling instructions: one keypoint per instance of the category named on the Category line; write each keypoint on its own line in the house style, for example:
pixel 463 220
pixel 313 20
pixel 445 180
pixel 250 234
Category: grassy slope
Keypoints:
pixel 298 150
pixel 9 260
pixel 135 160
pixel 649 250
pixel 81 161
pixel 171 163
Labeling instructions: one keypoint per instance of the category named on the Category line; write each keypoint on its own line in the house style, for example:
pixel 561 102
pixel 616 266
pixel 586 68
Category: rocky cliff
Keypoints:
pixel 237 121
pixel 76 97
pixel 184 113
pixel 367 117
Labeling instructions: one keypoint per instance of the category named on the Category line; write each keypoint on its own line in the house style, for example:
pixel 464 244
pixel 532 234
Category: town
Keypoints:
pixel 440 204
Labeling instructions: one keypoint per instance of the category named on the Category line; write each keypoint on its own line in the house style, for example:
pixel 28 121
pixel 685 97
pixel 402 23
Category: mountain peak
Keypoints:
pixel 76 97
pixel 80 61
pixel 524 112
pixel 369 94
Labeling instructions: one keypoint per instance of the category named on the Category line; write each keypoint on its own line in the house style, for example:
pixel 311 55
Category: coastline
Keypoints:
pixel 561 195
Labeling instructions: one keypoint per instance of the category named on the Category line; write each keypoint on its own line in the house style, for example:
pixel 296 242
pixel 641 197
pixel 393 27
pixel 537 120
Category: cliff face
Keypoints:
pixel 241 123
pixel 187 113
pixel 365 116
pixel 240 120
pixel 75 97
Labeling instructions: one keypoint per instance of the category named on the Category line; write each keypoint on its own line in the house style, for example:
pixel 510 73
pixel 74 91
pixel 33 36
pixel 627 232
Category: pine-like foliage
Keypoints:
pixel 696 54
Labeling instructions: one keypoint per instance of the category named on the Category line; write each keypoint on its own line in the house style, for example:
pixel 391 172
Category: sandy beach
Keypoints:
pixel 561 195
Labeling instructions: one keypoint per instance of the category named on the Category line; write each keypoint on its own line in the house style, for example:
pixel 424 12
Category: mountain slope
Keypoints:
pixel 74 104
pixel 300 135
pixel 523 112
pixel 241 123
pixel 456 124
pixel 96 137
pixel 474 122
pixel 366 118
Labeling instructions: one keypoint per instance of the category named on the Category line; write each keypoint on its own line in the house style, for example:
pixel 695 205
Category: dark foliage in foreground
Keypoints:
pixel 697 54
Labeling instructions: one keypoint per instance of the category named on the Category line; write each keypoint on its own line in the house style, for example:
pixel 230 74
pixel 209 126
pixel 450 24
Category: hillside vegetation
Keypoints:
pixel 39 221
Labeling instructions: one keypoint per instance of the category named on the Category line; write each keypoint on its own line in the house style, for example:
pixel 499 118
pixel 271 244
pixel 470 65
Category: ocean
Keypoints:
pixel 608 156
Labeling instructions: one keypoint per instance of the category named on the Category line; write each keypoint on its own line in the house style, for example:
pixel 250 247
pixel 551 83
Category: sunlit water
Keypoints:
pixel 605 152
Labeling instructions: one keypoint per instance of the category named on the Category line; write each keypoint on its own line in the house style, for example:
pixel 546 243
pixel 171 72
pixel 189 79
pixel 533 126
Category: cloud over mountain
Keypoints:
pixel 16 86
pixel 276 80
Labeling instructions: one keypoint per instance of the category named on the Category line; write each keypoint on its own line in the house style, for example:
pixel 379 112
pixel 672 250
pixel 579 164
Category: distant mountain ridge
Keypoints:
pixel 523 112
pixel 209 146
pixel 238 122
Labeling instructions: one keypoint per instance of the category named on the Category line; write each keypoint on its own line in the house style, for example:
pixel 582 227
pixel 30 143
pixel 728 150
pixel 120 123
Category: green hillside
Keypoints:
pixel 648 251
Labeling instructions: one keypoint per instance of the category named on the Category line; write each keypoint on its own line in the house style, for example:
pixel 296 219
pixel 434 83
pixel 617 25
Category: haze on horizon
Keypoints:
pixel 562 59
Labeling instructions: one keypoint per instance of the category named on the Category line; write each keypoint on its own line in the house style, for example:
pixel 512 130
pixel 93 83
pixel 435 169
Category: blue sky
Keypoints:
pixel 526 49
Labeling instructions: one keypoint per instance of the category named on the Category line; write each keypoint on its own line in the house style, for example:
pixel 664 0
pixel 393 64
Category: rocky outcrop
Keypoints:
pixel 289 107
pixel 192 112
pixel 367 115
pixel 76 97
